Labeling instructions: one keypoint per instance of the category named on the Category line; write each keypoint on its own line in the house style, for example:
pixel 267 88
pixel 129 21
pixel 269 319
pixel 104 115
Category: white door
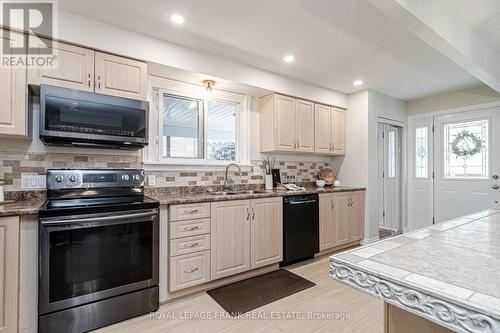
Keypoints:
pixel 390 179
pixel 466 163
pixel 420 182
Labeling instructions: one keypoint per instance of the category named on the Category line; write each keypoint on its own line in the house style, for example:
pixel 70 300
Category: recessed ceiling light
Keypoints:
pixel 289 58
pixel 177 19
pixel 357 83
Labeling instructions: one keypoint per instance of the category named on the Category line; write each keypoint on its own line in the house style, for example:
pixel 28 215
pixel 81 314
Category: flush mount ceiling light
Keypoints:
pixel 177 19
pixel 289 58
pixel 208 89
pixel 357 83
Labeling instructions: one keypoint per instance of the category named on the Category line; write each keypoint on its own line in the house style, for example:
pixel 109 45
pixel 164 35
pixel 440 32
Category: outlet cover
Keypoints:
pixel 151 180
pixel 30 182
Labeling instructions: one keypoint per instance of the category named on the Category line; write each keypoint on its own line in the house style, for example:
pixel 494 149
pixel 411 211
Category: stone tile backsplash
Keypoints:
pixel 14 164
pixel 301 172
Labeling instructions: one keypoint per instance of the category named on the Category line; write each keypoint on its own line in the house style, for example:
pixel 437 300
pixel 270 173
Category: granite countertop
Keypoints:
pixel 186 198
pixel 21 207
pixel 448 273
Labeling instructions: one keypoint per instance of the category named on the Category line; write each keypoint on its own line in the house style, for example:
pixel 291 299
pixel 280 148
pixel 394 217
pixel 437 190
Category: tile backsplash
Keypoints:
pixel 301 171
pixel 14 164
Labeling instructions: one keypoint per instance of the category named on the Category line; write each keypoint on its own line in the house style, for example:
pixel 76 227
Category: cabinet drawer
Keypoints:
pixel 189 228
pixel 189 245
pixel 189 211
pixel 189 270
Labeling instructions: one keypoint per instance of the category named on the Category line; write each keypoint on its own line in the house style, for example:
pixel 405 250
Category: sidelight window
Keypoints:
pixel 421 152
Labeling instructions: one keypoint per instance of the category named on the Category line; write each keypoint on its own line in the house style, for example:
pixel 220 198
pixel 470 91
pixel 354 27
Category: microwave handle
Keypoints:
pixel 108 220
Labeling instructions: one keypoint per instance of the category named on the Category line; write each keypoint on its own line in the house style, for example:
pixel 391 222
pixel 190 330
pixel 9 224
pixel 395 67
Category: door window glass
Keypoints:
pixel 466 149
pixel 391 153
pixel 421 152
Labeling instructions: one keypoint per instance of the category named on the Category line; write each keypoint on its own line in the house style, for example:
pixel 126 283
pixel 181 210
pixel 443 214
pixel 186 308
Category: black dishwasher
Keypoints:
pixel 300 228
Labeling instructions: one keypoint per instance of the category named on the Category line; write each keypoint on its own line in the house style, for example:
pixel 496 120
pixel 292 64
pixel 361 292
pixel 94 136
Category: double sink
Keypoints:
pixel 230 192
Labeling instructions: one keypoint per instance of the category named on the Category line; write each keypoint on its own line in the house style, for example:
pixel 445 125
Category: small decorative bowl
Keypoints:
pixel 320 183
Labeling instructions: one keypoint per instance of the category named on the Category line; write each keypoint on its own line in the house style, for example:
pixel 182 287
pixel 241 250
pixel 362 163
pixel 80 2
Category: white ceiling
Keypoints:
pixel 334 41
pixel 483 16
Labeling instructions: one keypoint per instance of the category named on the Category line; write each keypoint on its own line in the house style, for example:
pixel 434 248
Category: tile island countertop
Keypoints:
pixel 448 273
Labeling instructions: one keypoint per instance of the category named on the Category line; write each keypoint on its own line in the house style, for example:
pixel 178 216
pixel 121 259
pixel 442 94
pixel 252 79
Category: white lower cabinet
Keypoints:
pixel 246 234
pixel 189 270
pixel 9 273
pixel 230 230
pixel 228 238
pixel 341 219
pixel 266 232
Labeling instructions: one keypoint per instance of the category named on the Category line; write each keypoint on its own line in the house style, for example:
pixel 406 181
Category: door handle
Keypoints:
pixel 495 177
pixel 495 187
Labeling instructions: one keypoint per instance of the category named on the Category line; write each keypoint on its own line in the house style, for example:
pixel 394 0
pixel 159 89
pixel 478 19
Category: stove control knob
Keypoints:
pixel 137 177
pixel 125 177
pixel 59 178
pixel 72 178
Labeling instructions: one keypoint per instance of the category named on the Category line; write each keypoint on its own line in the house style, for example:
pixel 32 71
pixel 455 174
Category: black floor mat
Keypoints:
pixel 243 296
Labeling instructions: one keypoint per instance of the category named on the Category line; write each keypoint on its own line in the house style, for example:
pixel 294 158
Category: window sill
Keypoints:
pixel 193 166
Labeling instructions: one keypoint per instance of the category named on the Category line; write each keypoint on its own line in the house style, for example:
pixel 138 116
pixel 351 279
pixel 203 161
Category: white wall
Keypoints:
pixel 352 168
pixel 467 97
pixel 360 164
pixel 95 34
pixel 382 108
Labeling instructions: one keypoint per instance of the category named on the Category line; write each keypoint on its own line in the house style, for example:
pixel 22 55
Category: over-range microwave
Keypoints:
pixel 71 117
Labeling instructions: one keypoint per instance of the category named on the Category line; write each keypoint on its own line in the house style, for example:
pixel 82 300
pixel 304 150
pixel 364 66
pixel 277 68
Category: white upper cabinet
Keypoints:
pixel 13 97
pixel 289 124
pixel 284 116
pixel 75 69
pixel 338 131
pixel 85 69
pixel 304 125
pixel 120 76
pixel 323 129
pixel 329 130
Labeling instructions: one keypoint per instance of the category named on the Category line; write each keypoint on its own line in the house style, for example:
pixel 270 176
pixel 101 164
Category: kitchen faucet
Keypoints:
pixel 227 188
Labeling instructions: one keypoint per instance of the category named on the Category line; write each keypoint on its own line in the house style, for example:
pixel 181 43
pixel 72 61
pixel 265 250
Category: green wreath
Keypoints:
pixel 466 144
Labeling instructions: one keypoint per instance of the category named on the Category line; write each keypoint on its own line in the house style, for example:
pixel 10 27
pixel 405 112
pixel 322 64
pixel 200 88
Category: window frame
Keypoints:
pixel 153 155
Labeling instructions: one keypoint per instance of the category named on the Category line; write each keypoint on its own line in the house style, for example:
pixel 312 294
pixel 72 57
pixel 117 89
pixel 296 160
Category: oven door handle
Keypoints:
pixel 114 219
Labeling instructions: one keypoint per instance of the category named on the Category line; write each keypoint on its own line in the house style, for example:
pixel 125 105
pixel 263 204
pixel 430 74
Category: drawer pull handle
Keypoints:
pixel 191 211
pixel 191 228
pixel 191 270
pixel 192 244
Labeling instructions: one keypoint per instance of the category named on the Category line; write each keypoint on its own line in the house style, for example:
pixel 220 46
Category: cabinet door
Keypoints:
pixel 9 273
pixel 357 216
pixel 230 238
pixel 338 131
pixel 120 76
pixel 304 113
pixel 326 222
pixel 266 240
pixel 322 141
pixel 75 68
pixel 13 96
pixel 284 116
pixel 341 219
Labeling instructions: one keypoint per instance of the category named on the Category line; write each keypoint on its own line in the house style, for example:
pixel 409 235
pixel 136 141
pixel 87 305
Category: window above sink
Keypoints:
pixel 189 130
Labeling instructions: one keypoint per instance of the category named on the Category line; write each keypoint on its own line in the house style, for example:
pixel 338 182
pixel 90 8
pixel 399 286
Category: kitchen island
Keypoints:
pixel 438 279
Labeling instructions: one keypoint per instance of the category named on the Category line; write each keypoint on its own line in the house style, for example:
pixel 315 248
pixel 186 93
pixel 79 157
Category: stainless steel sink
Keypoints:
pixel 241 192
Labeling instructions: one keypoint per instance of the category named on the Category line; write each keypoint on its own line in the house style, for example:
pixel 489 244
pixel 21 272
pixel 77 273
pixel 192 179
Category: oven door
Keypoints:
pixel 86 258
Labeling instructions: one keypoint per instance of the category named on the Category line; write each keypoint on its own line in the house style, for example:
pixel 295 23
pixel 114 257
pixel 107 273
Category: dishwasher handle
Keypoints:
pixel 302 202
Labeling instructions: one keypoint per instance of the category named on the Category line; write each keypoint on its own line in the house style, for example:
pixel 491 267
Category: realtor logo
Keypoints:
pixel 27 37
